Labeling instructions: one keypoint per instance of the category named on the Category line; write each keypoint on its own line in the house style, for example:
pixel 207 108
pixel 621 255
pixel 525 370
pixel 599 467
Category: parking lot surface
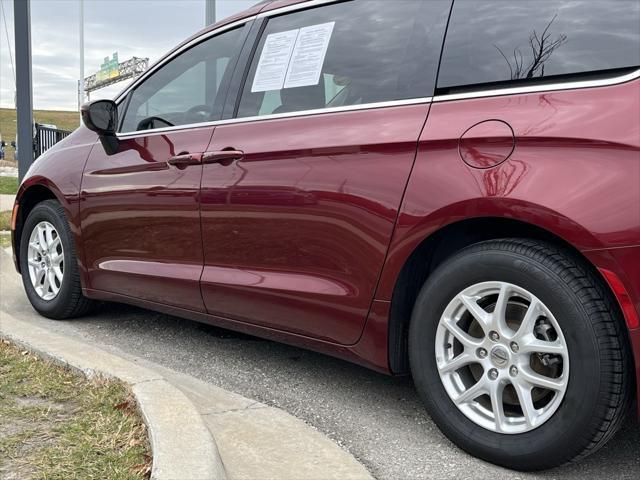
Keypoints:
pixel 379 419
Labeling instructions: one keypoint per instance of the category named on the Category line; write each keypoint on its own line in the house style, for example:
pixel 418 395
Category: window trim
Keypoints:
pixel 396 103
pixel 276 116
pixel 480 93
pixel 295 7
pixel 550 87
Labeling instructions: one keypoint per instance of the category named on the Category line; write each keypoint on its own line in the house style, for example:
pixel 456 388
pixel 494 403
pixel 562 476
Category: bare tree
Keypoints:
pixel 541 49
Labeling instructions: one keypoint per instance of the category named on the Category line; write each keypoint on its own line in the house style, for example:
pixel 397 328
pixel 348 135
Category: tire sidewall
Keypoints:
pixel 556 437
pixel 47 212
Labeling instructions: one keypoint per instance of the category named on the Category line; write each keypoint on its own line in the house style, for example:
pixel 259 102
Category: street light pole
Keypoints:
pixel 209 12
pixel 81 81
pixel 211 69
pixel 24 96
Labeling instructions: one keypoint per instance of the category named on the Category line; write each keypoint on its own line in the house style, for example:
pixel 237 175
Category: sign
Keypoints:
pixel 293 58
pixel 109 68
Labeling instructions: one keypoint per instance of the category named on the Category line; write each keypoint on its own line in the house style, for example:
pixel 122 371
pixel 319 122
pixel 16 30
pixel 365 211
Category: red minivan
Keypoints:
pixel 446 189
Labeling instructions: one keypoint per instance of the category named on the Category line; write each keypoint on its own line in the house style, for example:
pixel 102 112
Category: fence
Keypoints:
pixel 45 138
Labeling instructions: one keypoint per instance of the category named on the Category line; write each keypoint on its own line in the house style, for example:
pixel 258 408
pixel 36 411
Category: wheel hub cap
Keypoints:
pixel 499 356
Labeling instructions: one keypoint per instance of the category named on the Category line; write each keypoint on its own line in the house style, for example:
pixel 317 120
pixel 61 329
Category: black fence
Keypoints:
pixel 45 138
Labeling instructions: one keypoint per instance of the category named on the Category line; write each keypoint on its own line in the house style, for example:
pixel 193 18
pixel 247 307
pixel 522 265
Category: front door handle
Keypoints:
pixel 185 159
pixel 224 157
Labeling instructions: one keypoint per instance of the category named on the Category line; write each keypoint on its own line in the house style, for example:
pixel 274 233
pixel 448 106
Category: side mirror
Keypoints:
pixel 3 143
pixel 101 117
pixel 13 143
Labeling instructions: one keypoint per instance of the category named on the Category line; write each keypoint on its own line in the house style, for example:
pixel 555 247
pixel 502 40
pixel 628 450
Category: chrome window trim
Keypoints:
pixel 275 116
pixel 568 85
pixel 294 7
pixel 186 46
pixel 395 103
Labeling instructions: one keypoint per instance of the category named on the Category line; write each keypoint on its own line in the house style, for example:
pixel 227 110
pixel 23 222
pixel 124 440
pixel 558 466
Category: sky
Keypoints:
pixel 141 28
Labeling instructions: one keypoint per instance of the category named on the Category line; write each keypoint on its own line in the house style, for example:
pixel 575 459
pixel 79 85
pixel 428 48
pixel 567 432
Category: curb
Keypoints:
pixel 181 443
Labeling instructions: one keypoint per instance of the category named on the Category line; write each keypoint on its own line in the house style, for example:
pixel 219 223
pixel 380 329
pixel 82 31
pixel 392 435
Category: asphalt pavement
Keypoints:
pixel 379 419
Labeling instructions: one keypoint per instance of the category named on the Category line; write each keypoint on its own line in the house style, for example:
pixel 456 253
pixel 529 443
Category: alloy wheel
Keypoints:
pixel 45 258
pixel 502 357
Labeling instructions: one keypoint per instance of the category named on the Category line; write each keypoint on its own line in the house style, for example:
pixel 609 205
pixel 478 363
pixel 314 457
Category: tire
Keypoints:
pixel 68 301
pixel 595 368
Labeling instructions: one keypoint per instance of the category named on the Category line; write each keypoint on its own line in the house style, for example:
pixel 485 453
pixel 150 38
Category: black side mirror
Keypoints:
pixel 3 144
pixel 101 117
pixel 13 143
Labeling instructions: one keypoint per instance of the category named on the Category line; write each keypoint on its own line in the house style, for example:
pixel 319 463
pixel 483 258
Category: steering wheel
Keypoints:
pixel 147 123
pixel 198 114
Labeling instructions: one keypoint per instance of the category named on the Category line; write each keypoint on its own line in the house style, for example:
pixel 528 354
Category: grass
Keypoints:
pixel 61 119
pixel 5 224
pixel 5 220
pixel 58 425
pixel 8 185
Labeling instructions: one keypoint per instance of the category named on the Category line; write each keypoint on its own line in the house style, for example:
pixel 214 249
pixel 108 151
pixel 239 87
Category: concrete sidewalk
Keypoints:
pixel 255 441
pixel 6 202
pixel 261 442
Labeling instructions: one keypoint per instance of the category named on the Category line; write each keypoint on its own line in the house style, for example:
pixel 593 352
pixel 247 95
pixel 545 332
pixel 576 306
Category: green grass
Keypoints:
pixel 58 425
pixel 5 220
pixel 5 224
pixel 8 185
pixel 61 119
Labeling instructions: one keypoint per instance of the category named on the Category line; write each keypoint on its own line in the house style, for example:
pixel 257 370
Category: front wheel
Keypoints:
pixel 518 352
pixel 48 263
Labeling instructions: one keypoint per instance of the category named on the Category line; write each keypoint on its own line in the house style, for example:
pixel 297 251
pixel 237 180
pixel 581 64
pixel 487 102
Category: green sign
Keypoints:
pixel 109 68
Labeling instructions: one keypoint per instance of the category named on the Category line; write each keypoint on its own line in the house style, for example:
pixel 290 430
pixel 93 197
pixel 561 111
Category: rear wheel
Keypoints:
pixel 48 264
pixel 518 352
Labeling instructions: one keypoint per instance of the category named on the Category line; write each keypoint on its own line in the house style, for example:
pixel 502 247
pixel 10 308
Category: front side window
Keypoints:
pixel 348 53
pixel 185 90
pixel 494 41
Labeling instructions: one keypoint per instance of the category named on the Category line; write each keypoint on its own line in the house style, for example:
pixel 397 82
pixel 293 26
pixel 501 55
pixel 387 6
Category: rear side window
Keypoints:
pixel 495 41
pixel 349 53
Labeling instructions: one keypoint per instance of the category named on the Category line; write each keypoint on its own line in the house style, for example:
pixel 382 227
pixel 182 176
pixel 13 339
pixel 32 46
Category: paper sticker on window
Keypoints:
pixel 308 55
pixel 293 58
pixel 274 61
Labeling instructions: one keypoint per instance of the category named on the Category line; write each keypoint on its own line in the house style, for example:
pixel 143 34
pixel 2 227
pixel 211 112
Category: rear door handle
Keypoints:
pixel 185 159
pixel 224 157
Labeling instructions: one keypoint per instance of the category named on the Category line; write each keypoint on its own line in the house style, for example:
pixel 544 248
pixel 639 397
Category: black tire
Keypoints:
pixel 599 393
pixel 69 302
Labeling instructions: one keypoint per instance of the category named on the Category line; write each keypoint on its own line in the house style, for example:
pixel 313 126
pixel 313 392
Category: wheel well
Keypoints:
pixel 30 198
pixel 432 252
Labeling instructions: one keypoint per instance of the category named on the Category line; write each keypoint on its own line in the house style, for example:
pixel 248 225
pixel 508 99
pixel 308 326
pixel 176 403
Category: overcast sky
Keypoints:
pixel 141 28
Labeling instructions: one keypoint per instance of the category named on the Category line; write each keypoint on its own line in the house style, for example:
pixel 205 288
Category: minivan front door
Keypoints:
pixel 140 213
pixel 141 219
pixel 296 229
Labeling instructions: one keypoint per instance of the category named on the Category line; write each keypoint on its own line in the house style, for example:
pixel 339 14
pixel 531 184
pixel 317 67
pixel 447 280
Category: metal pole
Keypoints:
pixel 211 69
pixel 81 83
pixel 24 98
pixel 209 12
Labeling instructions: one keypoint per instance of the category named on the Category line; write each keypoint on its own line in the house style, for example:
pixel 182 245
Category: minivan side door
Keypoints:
pixel 298 217
pixel 140 213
